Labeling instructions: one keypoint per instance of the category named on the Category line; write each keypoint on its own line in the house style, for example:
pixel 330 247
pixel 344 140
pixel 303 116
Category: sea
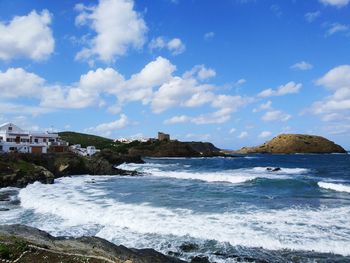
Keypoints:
pixel 226 209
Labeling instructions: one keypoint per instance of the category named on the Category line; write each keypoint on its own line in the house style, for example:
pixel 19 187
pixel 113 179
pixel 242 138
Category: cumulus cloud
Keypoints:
pixel 27 36
pixel 276 115
pixel 336 3
pixel 175 45
pixel 264 106
pixel 118 28
pixel 289 88
pixel 265 134
pixel 16 82
pixel 312 16
pixel 155 85
pixel 337 106
pixel 303 65
pixel 107 129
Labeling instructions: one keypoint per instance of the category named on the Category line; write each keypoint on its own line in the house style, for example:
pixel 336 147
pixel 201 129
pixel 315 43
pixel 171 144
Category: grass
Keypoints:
pixel 4 251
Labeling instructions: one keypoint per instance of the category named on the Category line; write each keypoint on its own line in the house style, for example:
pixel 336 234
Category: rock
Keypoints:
pixel 295 143
pixel 19 170
pixel 276 169
pixel 200 259
pixel 43 247
pixel 189 247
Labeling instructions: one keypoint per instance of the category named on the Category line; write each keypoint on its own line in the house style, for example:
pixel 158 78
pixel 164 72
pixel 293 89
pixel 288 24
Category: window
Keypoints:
pixel 36 140
pixel 8 139
pixel 10 128
pixel 0 147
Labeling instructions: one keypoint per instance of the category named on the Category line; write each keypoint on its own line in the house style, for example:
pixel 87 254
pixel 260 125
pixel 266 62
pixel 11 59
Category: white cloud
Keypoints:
pixel 16 82
pixel 264 106
pixel 27 37
pixel 16 108
pixel 265 134
pixel 303 65
pixel 337 78
pixel 233 130
pixel 200 72
pixel 87 92
pixel 337 106
pixel 108 128
pixel 275 115
pixel 175 45
pixel 336 3
pixel 239 83
pixel 289 88
pixel 312 16
pixel 209 35
pixel 117 25
pixel 336 28
pixel 177 119
pixel 243 135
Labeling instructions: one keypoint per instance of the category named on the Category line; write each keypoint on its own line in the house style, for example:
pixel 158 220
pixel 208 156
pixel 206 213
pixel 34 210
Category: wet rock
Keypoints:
pixel 200 259
pixel 271 169
pixel 189 247
pixel 66 249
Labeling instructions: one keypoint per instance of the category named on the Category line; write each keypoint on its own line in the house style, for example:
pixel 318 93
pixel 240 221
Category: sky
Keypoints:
pixel 232 72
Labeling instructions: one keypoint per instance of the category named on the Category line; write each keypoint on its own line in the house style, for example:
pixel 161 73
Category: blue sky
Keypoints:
pixel 233 72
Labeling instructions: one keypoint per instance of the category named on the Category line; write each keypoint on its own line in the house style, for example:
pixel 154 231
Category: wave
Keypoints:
pixel 142 225
pixel 230 176
pixel 335 187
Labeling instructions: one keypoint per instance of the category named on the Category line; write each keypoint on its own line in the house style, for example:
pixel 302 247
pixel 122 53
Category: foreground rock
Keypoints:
pixel 26 244
pixel 295 143
pixel 19 170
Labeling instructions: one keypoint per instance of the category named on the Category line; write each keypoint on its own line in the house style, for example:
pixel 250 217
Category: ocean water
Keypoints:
pixel 230 209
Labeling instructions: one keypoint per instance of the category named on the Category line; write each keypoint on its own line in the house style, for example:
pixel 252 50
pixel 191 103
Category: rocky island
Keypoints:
pixel 295 143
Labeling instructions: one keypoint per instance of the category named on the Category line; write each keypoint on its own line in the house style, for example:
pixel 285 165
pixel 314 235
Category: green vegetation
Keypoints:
pixel 99 142
pixel 4 251
pixel 86 140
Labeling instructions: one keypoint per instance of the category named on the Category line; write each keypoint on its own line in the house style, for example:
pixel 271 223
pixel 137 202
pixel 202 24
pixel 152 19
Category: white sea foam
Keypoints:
pixel 142 225
pixel 231 176
pixel 335 187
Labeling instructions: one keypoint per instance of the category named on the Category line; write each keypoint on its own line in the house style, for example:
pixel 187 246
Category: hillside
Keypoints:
pixel 151 148
pixel 295 143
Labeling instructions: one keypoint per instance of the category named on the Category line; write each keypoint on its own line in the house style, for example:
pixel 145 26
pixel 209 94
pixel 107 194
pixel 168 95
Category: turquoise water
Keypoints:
pixel 227 207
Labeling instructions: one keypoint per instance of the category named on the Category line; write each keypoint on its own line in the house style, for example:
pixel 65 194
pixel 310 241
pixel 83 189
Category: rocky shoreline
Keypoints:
pixel 19 243
pixel 19 170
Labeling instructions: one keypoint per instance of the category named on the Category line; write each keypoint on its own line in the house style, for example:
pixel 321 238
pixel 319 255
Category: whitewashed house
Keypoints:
pixel 88 151
pixel 14 139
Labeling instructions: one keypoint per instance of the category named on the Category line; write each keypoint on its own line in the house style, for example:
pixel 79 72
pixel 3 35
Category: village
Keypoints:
pixel 15 139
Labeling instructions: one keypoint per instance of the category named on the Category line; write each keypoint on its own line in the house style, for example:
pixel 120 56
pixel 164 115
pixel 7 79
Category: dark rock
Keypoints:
pixel 20 170
pixel 89 248
pixel 200 259
pixel 189 247
pixel 276 169
pixel 4 209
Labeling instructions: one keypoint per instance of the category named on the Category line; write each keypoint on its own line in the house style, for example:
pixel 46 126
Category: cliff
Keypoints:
pixel 153 148
pixel 174 149
pixel 26 244
pixel 21 169
pixel 295 143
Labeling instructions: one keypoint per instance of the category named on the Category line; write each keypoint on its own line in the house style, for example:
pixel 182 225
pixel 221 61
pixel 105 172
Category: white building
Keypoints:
pixel 88 151
pixel 14 139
